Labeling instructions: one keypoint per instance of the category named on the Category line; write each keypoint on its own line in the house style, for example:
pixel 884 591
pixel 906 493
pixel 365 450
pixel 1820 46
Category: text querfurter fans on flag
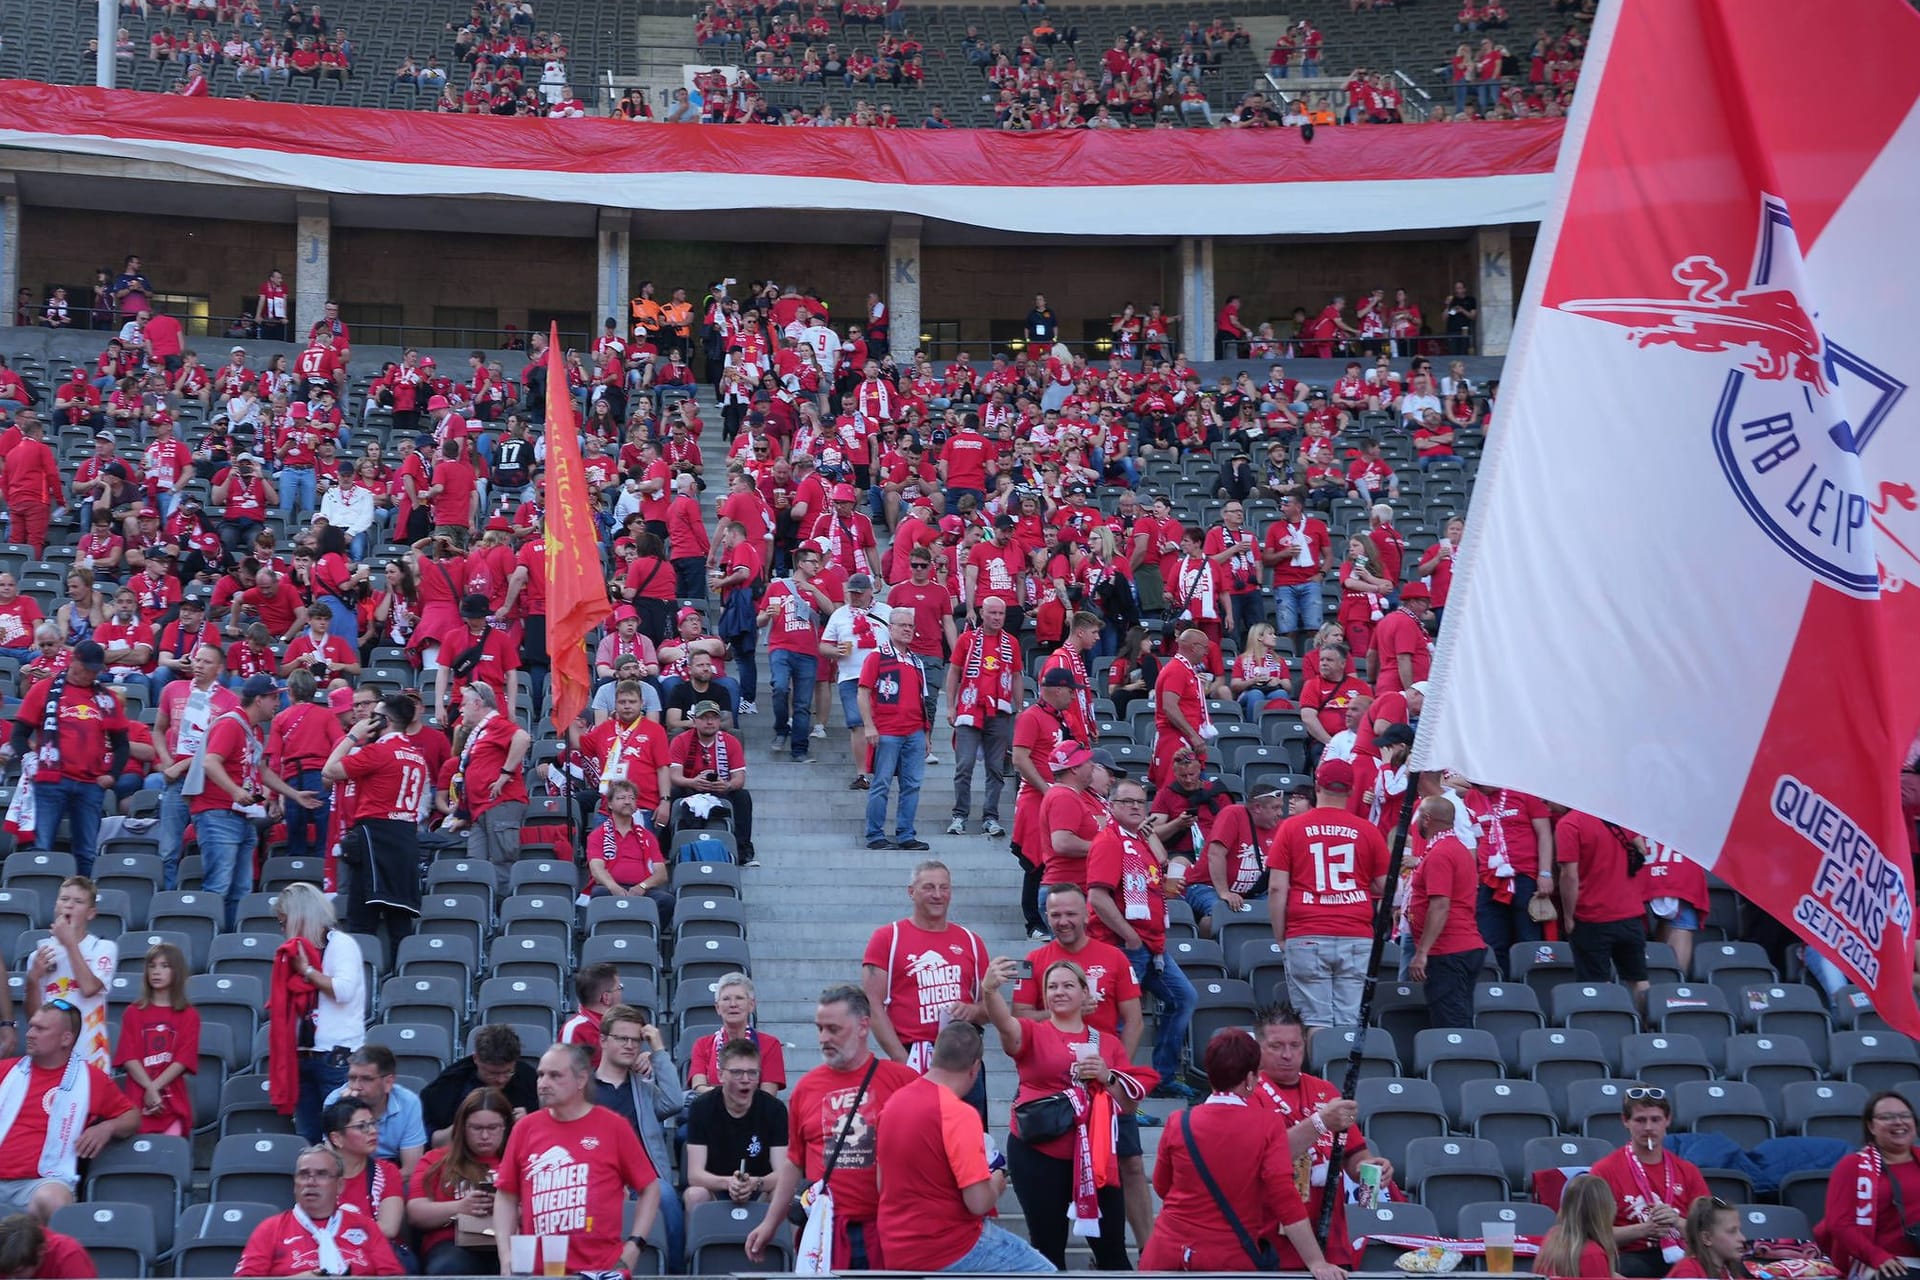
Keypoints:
pixel 1689 598
pixel 576 583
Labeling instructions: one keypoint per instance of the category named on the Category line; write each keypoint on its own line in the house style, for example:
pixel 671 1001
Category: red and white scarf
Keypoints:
pixel 1200 683
pixel 1670 1184
pixel 66 1113
pixel 835 526
pixel 985 693
pixel 1136 877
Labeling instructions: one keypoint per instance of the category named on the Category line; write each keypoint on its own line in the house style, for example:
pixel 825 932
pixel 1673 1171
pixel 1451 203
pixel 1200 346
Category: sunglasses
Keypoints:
pixel 64 1006
pixel 1646 1095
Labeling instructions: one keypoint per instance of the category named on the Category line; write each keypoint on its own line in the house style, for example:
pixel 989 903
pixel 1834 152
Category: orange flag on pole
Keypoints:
pixel 576 584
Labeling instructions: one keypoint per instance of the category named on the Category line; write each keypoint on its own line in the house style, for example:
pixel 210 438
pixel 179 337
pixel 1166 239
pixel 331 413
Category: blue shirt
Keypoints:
pixel 401 1127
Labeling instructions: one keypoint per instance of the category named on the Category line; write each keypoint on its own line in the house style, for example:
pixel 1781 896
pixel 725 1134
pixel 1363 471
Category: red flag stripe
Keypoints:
pixel 576 586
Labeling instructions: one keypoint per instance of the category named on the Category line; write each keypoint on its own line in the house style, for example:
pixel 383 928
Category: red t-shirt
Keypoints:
pixel 706 1058
pixel 1046 1058
pixel 1109 977
pixel 1245 850
pixel 815 1118
pixel 965 454
pixel 20 1154
pixel 896 688
pixel 277 611
pixel 1105 869
pixel 927 972
pixel 642 753
pixel 932 1145
pixel 1401 633
pixel 1669 874
pixel 87 716
pixel 425 1185
pixel 1331 859
pixel 301 738
pixel 1508 827
pixel 1606 893
pixel 157 1037
pixel 20 615
pixel 999 573
pixel 1447 871
pixel 630 858
pixel 572 1177
pixel 791 627
pixel 390 779
pixel 65 1257
pixel 486 760
pixel 1076 812
pixel 930 604
pixel 1674 1182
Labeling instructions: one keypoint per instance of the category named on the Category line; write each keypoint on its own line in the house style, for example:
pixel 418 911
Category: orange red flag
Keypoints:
pixel 576 584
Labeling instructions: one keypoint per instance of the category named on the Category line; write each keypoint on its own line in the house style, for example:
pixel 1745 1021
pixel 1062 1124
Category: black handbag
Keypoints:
pixel 1260 1252
pixel 1044 1119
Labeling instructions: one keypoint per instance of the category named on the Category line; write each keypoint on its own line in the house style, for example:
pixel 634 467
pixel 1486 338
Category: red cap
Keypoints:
pixel 340 701
pixel 623 613
pixel 297 410
pixel 438 402
pixel 499 524
pixel 1334 775
pixel 148 513
pixel 952 526
pixel 844 493
pixel 1415 591
pixel 689 612
pixel 1069 755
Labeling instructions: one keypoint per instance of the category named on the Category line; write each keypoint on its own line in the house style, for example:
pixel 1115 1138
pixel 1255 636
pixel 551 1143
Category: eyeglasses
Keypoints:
pixel 1132 800
pixel 1646 1095
pixel 363 1126
pixel 741 1073
pixel 621 1039
pixel 1894 1117
pixel 314 1175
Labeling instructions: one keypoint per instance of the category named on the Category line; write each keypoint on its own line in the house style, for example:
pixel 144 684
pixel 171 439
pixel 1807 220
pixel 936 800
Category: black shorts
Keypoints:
pixel 1602 947
pixel 1126 1140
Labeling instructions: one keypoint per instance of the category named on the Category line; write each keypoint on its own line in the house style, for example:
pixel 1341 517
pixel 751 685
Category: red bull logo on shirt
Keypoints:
pixel 1796 411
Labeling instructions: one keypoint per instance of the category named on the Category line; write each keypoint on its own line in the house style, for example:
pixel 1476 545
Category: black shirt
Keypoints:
pixel 1041 327
pixel 1456 322
pixel 446 1091
pixel 512 461
pixel 684 695
pixel 728 1141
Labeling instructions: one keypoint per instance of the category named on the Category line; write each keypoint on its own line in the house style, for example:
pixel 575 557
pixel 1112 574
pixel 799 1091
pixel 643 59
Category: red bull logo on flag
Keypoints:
pixel 1796 411
pixel 1688 600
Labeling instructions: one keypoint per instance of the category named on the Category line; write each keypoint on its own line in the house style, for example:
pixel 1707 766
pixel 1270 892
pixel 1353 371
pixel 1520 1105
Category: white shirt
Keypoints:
pixel 825 343
pixel 1341 747
pixel 1412 406
pixel 340 1019
pixel 95 1045
pixel 348 507
pixel 840 627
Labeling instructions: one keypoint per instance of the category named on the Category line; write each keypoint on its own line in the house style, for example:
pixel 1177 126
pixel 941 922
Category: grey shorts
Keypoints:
pixel 17 1193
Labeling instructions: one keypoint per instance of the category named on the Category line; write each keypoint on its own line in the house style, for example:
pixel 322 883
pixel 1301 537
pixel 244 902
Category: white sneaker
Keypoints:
pixel 932 758
pixel 819 731
pixel 748 709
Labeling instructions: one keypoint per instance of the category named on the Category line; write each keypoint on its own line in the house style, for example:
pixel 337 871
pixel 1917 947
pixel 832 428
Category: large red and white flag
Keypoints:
pixel 1689 598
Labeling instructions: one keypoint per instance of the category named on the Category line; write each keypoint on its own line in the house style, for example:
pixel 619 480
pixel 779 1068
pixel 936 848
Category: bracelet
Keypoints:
pixel 1319 1125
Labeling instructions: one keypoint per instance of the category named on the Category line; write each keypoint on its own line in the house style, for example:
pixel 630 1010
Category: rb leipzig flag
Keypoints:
pixel 1689 598
pixel 576 584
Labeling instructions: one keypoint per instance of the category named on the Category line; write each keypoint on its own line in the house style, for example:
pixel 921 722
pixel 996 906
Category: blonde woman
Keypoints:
pixel 337 982
pixel 1260 678
pixel 1580 1245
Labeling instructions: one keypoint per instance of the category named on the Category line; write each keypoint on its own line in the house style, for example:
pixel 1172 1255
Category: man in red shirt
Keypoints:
pixel 228 787
pixel 330 657
pixel 1235 871
pixel 924 973
pixel 19 617
pixel 630 746
pixel 1180 705
pixel 963 463
pixel 392 787
pixel 931 605
pixel 299 740
pixel 1236 562
pixel 475 652
pixel 1652 1187
pixel 78 730
pixel 896 719
pixel 705 761
pixel 1327 693
pixel 31 481
pixel 1068 820
pixel 273 603
pixel 39 1176
pixel 983 688
pixel 940 1186
pixel 793 611
pixel 567 1170
pixel 454 494
pixel 1124 877
pixel 1447 947
pixel 838 1104
pixel 1601 906
pixel 1402 649
pixel 1329 867
pixel 993 571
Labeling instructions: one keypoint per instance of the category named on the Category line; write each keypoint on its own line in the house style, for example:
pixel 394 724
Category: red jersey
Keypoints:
pixel 965 455
pixel 20 1155
pixel 927 973
pixel 280 1246
pixel 1638 1189
pixel 636 752
pixel 1331 859
pixel 706 1058
pixel 1606 892
pixel 817 1114
pixel 933 1145
pixel 278 611
pixel 1400 633
pixel 390 779
pixel 1245 850
pixel 999 572
pixel 572 1178
pixel 630 858
pixel 897 687
pixel 1078 813
pixel 1446 871
pixel 1508 831
pixel 1124 865
pixel 87 716
pixel 1109 978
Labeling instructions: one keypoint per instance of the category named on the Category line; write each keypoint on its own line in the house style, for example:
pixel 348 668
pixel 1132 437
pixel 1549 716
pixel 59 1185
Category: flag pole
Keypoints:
pixel 1382 925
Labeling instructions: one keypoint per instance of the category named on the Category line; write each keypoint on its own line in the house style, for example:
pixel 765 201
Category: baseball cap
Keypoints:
pixel 237 351
pixel 89 654
pixel 474 605
pixel 1394 735
pixel 1003 522
pixel 1059 678
pixel 705 707
pixel 1104 758
pixel 1069 755
pixel 103 435
pixel 860 582
pixel 426 362
pixel 258 687
pixel 687 611
pixel 149 513
pixel 1420 687
pixel 952 526
pixel 340 701
pixel 1334 775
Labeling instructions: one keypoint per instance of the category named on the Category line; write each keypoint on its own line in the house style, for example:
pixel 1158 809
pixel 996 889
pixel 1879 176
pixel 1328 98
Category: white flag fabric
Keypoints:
pixel 1689 595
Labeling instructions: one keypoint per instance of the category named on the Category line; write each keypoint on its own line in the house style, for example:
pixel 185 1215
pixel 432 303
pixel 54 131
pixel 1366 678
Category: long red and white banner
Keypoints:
pixel 1179 182
pixel 1689 599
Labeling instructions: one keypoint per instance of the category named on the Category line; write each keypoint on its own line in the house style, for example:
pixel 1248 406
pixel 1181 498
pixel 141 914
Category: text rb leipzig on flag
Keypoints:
pixel 1689 595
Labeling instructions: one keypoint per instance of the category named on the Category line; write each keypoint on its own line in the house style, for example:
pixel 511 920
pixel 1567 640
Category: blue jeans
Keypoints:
pixel 749 677
pixel 793 673
pixel 307 828
pixel 80 804
pixel 673 1217
pixel 997 1252
pixel 1161 976
pixel 226 853
pixel 906 757
pixel 1504 924
pixel 296 491
pixel 1297 607
pixel 173 833
pixel 319 1076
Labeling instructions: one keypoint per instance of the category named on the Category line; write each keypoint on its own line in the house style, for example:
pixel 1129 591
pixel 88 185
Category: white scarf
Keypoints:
pixel 1302 545
pixel 66 1114
pixel 329 1262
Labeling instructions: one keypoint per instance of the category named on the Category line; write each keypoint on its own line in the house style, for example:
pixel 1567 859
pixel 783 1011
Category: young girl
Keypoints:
pixel 1715 1243
pixel 1580 1244
pixel 160 1044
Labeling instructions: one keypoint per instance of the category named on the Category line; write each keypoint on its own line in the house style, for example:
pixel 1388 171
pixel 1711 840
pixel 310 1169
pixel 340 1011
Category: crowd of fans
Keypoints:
pixel 370 697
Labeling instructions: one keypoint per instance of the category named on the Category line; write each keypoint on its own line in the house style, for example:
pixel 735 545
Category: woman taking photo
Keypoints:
pixel 1715 1244
pixel 1134 670
pixel 457 1180
pixel 392 613
pixel 315 1008
pixel 1874 1195
pixel 1077 1077
pixel 1245 1152
pixel 1580 1245
pixel 1363 595
pixel 369 1183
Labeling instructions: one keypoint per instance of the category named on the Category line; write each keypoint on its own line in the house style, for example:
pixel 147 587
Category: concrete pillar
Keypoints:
pixel 1493 286
pixel 10 244
pixel 1197 305
pixel 312 263
pixel 615 270
pixel 903 290
pixel 106 31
